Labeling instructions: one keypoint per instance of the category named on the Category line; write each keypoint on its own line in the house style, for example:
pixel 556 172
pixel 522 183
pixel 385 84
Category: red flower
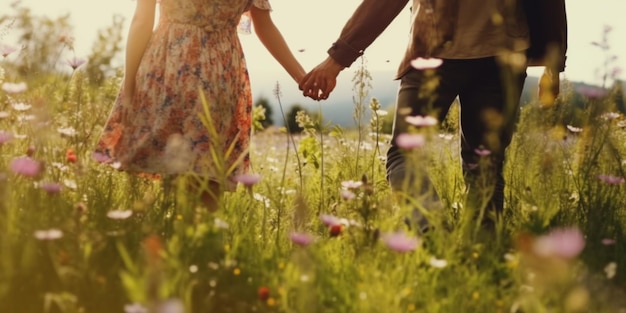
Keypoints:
pixel 70 156
pixel 335 230
pixel 264 293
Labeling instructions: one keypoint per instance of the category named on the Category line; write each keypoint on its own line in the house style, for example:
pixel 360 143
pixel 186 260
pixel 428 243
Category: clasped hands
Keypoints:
pixel 320 82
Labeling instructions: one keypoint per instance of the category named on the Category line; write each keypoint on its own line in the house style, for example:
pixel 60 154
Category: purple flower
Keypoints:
pixel 330 220
pixel 565 243
pixel 421 121
pixel 51 188
pixel 248 180
pixel 400 242
pixel 25 166
pixel 75 62
pixel 611 180
pixel 301 239
pixel 426 63
pixel 5 137
pixel 101 157
pixel 410 141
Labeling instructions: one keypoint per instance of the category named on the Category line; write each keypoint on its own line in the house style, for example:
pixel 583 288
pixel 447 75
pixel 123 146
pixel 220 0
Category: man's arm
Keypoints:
pixel 369 20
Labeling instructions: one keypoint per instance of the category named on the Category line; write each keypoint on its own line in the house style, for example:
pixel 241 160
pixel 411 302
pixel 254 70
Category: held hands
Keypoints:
pixel 320 82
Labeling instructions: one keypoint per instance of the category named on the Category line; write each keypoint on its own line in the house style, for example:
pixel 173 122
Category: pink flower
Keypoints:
pixel 51 188
pixel 565 243
pixel 5 137
pixel 347 194
pixel 400 242
pixel 248 180
pixel 5 50
pixel 410 141
pixel 25 166
pixel 330 220
pixel 426 63
pixel 482 152
pixel 75 62
pixel 352 184
pixel 301 239
pixel 608 241
pixel 421 121
pixel 611 180
pixel 100 157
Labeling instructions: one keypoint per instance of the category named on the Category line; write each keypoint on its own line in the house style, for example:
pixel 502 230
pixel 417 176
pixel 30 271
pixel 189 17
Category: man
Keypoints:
pixel 485 46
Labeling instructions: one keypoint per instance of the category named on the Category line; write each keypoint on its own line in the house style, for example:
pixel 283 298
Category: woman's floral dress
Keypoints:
pixel 168 129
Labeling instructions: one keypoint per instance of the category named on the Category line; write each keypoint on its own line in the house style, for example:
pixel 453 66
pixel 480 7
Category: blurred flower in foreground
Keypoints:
pixel 67 131
pixel 438 263
pixel 330 220
pixel 5 137
pixel 574 129
pixel 482 152
pixel 248 180
pixel 608 241
pixel 610 270
pixel 611 180
pixel 51 188
pixel 171 306
pixel 351 184
pixel 566 243
pixel 335 230
pixel 301 239
pixel 421 121
pixel 426 63
pixel 70 156
pixel 25 166
pixel 347 194
pixel 14 87
pixel 100 157
pixel 49 234
pixel 21 106
pixel 410 141
pixel 5 50
pixel 263 293
pixel 400 242
pixel 75 62
pixel 119 214
pixel 135 308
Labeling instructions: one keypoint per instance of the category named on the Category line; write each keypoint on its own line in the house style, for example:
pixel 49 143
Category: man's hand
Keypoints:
pixel 320 82
pixel 549 87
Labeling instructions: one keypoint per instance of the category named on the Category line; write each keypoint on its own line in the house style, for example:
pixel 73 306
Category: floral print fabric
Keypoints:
pixel 194 52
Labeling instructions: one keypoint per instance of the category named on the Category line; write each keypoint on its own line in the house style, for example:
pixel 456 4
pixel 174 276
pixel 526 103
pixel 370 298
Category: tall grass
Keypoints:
pixel 80 236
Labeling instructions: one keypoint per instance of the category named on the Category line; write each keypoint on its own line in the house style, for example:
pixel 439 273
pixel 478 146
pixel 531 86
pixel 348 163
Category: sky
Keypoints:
pixel 312 26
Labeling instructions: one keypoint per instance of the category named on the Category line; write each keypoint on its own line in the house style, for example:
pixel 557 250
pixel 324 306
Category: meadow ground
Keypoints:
pixel 317 230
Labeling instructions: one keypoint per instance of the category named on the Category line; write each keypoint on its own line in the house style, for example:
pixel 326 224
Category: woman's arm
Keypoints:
pixel 138 37
pixel 274 42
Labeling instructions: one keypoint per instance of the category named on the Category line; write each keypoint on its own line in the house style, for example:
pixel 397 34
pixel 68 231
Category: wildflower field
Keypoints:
pixel 314 227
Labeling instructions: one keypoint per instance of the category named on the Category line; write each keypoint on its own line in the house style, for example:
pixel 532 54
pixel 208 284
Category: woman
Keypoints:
pixel 185 104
